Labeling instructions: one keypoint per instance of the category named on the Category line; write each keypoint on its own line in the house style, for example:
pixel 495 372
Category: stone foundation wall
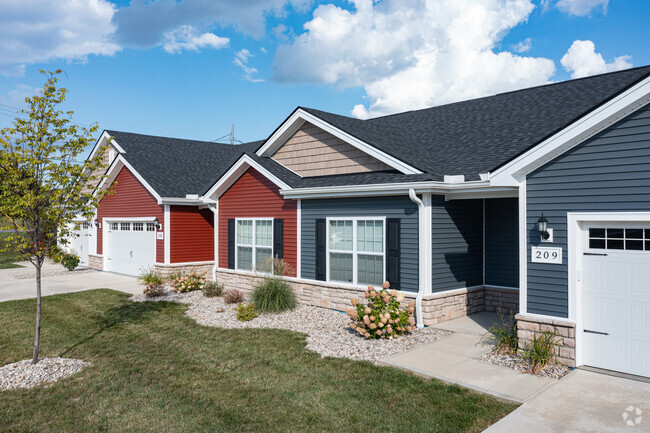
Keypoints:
pixel 565 347
pixel 501 300
pixel 203 267
pixel 95 262
pixel 436 308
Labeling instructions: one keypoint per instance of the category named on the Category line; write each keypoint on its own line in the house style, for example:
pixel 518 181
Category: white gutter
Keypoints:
pixel 418 300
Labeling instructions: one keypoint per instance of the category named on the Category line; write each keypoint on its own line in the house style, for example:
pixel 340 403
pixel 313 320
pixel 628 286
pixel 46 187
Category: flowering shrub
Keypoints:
pixel 382 316
pixel 187 282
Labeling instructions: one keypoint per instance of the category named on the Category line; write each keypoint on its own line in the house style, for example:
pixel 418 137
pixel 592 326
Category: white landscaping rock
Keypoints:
pixel 552 370
pixel 327 330
pixel 23 374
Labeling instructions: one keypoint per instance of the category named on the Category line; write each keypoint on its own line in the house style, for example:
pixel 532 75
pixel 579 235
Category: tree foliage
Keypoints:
pixel 43 184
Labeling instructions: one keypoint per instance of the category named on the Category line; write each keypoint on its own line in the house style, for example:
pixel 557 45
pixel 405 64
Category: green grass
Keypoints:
pixel 156 370
pixel 7 259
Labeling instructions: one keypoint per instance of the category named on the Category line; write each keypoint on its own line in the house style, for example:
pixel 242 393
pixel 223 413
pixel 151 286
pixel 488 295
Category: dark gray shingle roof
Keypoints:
pixel 479 135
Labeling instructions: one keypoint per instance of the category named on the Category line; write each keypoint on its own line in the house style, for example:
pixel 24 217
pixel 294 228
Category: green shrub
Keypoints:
pixel 152 281
pixel 212 289
pixel 233 296
pixel 383 315
pixel 541 351
pixel 70 261
pixel 188 282
pixel 273 295
pixel 503 336
pixel 246 312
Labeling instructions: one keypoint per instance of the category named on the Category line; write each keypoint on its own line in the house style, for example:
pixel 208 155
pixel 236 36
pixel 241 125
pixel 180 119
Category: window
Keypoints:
pixel 115 226
pixel 125 226
pixel 138 227
pixel 355 251
pixel 630 239
pixel 254 244
pixel 151 227
pixel 86 225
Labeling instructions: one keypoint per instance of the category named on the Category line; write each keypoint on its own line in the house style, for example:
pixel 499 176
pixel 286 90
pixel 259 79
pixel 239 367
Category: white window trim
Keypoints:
pixel 253 244
pixel 355 253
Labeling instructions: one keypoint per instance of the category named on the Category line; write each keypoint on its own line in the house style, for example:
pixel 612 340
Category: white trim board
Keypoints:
pixel 574 260
pixel 582 129
pixel 235 172
pixel 300 116
pixel 104 139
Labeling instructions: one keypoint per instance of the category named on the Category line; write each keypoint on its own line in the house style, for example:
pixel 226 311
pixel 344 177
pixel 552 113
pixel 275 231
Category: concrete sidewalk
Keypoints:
pixel 584 401
pixel 13 287
pixel 452 360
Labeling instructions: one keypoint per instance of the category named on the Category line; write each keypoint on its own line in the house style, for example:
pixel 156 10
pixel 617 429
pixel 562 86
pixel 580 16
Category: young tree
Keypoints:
pixel 43 185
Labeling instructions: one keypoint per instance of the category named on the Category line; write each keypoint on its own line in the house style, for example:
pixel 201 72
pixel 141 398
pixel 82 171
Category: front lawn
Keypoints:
pixel 156 370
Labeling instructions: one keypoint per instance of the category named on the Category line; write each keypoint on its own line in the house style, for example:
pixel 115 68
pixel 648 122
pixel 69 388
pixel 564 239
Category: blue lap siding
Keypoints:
pixel 609 172
pixel 457 244
pixel 502 242
pixel 389 207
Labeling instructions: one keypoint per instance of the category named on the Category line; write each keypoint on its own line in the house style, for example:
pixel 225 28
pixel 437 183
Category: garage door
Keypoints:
pixel 130 246
pixel 79 245
pixel 616 298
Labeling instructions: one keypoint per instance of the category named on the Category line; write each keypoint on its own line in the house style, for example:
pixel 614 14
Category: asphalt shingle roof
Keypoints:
pixel 468 138
pixel 479 135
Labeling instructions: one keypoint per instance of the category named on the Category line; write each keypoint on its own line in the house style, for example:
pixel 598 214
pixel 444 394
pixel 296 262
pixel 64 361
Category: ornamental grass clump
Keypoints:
pixel 541 350
pixel 273 295
pixel 152 281
pixel 503 336
pixel 382 316
pixel 212 289
pixel 188 282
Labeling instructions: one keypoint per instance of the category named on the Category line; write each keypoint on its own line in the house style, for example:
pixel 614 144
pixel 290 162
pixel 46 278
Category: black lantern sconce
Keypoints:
pixel 545 233
pixel 157 224
pixel 97 223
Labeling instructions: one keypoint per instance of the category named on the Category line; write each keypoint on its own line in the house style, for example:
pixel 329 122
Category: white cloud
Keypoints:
pixel 241 60
pixel 582 7
pixel 188 38
pixel 410 54
pixel 583 60
pixel 523 46
pixel 41 30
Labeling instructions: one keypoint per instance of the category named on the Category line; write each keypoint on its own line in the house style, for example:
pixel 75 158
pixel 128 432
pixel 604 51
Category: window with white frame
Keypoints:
pixel 125 226
pixel 115 226
pixel 138 227
pixel 254 244
pixel 151 227
pixel 356 250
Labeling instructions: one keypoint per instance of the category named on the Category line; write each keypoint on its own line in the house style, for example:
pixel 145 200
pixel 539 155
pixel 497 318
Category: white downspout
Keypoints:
pixel 419 320
pixel 213 208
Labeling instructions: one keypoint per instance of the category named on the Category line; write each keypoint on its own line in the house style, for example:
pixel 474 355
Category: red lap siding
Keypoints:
pixel 130 199
pixel 192 234
pixel 254 196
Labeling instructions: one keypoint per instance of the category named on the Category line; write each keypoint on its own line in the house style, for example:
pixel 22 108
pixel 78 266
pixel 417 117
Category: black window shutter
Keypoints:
pixel 277 238
pixel 231 244
pixel 321 253
pixel 393 252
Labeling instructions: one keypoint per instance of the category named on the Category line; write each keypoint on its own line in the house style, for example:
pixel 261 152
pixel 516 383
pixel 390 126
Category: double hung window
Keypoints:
pixel 254 244
pixel 356 250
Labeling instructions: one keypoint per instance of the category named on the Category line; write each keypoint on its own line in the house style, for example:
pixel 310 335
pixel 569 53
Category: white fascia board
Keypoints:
pixel 102 140
pixel 587 126
pixel 474 189
pixel 299 117
pixel 182 201
pixel 239 168
pixel 115 168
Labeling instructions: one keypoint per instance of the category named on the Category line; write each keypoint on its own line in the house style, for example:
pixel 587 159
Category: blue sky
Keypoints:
pixel 191 68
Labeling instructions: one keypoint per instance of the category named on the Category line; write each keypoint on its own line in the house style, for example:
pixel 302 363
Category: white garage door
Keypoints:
pixel 616 298
pixel 130 246
pixel 79 245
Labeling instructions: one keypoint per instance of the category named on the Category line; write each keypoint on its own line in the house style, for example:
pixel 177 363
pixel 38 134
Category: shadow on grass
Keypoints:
pixel 126 312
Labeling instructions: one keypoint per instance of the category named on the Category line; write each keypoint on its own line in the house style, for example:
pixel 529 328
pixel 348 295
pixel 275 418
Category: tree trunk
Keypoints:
pixel 37 337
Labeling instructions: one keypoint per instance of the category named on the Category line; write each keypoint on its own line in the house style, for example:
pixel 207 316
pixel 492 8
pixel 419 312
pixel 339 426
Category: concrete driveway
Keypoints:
pixel 20 283
pixel 583 401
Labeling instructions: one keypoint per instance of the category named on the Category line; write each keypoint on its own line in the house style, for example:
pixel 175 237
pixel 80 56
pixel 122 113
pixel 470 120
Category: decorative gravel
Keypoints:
pixel 23 374
pixel 554 370
pixel 327 330
pixel 30 275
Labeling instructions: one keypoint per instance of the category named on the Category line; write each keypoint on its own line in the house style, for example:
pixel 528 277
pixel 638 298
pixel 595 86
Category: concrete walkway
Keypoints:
pixel 452 360
pixel 12 288
pixel 583 401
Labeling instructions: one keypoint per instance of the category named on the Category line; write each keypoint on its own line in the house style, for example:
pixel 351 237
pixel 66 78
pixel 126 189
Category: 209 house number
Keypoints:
pixel 546 255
